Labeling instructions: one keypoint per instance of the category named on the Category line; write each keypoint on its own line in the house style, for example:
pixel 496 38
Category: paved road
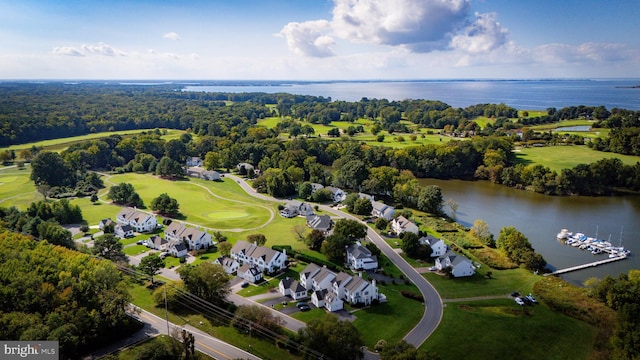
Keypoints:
pixel 433 302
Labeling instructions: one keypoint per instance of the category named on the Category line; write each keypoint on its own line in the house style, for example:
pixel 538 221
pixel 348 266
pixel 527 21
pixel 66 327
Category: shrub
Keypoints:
pixel 412 295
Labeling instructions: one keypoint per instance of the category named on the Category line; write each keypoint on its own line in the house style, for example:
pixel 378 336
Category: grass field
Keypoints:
pixel 501 329
pixel 16 188
pixel 564 157
pixel 63 143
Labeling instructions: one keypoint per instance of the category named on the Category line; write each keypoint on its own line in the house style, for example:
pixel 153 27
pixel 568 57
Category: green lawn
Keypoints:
pixel 135 250
pixel 564 157
pixel 16 188
pixel 503 282
pixel 198 205
pixel 62 143
pixel 501 329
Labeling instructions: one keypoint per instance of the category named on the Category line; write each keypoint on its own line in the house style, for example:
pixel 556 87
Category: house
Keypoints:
pixel 294 208
pixel 360 291
pixel 229 265
pixel 315 187
pixel 244 168
pixel 158 243
pixel 263 258
pixel 322 279
pixel 292 288
pixel 123 231
pixel 250 273
pixel 104 223
pixel 460 265
pixel 438 247
pixel 204 174
pixel 359 257
pixel 382 210
pixel 317 298
pixel 178 249
pixel 366 196
pixel 306 275
pixel 339 283
pixel 194 161
pixel 322 222
pixel 338 194
pixel 194 239
pixel 402 225
pixel 141 222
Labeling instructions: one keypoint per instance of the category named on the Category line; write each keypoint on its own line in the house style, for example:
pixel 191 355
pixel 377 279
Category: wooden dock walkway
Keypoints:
pixel 584 266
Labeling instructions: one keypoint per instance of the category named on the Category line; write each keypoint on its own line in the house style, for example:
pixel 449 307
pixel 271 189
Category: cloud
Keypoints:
pixel 418 25
pixel 591 52
pixel 309 38
pixel 86 50
pixel 171 36
pixel 483 35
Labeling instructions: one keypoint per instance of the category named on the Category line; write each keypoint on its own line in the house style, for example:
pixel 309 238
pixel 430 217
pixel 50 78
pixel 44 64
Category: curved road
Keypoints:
pixel 433 302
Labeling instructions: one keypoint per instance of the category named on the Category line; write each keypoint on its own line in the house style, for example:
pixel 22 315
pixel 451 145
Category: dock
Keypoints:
pixel 584 266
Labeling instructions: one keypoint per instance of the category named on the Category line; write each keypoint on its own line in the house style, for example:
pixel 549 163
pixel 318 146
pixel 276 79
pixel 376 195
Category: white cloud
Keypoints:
pixel 483 35
pixel 67 50
pixel 86 50
pixel 309 38
pixel 589 52
pixel 171 36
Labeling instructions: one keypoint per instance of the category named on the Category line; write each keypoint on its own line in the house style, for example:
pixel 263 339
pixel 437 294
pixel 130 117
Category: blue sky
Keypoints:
pixel 319 39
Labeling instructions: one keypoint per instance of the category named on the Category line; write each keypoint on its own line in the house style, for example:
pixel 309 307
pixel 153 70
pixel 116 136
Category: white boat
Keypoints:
pixel 564 234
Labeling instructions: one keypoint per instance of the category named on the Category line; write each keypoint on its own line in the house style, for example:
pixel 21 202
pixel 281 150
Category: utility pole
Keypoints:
pixel 166 311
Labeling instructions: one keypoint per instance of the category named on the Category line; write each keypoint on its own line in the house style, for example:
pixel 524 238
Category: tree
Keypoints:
pixel 225 248
pixel 175 150
pixel 353 230
pixel 334 246
pixel 49 168
pixel 169 168
pixel 430 199
pixel 333 338
pixel 254 315
pixel 165 205
pixel 381 223
pixel 124 194
pixel 258 239
pixel 108 246
pixel 305 189
pixel 480 230
pixel 402 350
pixel 299 231
pixel 362 206
pixel 94 198
pixel 453 205
pixel 212 160
pixel 206 280
pixel 151 265
pixel 314 240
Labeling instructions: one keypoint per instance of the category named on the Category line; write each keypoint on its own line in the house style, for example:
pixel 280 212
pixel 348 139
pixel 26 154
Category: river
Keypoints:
pixel 540 217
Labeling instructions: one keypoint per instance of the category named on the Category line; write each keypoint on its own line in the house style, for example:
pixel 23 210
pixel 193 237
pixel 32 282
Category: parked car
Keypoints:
pixel 519 301
pixel 244 284
pixel 302 304
pixel 531 298
pixel 304 308
pixel 141 242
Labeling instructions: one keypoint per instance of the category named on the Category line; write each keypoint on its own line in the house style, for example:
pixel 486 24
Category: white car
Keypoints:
pixel 519 301
pixel 531 298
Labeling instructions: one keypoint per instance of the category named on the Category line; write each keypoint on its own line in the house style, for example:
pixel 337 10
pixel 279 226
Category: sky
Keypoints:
pixel 319 39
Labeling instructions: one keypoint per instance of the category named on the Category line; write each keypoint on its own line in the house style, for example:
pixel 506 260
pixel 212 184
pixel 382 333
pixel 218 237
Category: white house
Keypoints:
pixel 382 210
pixel 322 279
pixel 294 208
pixel 250 273
pixel 292 288
pixel 306 275
pixel 158 243
pixel 402 225
pixel 315 187
pixel 123 231
pixel 340 282
pixel 229 265
pixel 338 194
pixel 194 161
pixel 320 222
pixel 104 223
pixel 178 249
pixel 203 173
pixel 438 246
pixel 360 291
pixel 460 265
pixel 194 239
pixel 265 259
pixel 359 257
pixel 139 221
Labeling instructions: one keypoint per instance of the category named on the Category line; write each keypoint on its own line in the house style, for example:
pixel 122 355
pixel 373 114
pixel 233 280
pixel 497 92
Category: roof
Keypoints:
pixel 429 240
pixel 256 252
pixel 359 252
pixel 342 278
pixel 125 228
pixel 356 283
pixel 319 222
pixel 310 269
pixel 180 247
pixel 133 215
pixel 323 274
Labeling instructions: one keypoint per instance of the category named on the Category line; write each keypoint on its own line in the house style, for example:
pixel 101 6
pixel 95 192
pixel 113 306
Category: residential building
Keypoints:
pixel 338 194
pixel 138 220
pixel 203 173
pixel 294 208
pixel 292 288
pixel 306 275
pixel 229 265
pixel 382 210
pixel 194 161
pixel 438 247
pixel 460 265
pixel 194 239
pixel 361 258
pixel 320 222
pixel 250 273
pixel 104 223
pixel 263 258
pixel 360 291
pixel 178 249
pixel 402 225
pixel 315 187
pixel 123 231
pixel 158 243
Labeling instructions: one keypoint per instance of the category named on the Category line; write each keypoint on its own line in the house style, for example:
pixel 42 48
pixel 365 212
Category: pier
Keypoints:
pixel 588 265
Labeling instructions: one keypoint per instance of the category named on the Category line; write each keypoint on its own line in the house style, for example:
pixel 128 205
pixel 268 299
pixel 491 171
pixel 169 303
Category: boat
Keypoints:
pixel 596 251
pixel 564 234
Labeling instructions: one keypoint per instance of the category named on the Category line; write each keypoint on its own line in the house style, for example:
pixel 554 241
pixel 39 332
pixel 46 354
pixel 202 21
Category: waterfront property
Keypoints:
pixel 460 265
pixel 401 225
